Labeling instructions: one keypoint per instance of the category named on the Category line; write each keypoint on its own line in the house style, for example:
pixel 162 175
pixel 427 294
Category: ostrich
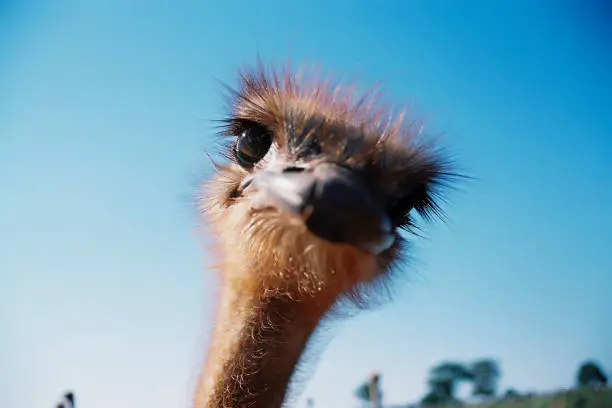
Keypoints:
pixel 306 213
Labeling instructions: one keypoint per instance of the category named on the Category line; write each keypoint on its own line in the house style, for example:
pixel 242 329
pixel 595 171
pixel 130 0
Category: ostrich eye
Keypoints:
pixel 252 145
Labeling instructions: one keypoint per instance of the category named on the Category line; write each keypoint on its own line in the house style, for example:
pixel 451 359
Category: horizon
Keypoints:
pixel 105 122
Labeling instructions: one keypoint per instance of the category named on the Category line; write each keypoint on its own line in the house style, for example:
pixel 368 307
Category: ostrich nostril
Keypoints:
pixel 293 169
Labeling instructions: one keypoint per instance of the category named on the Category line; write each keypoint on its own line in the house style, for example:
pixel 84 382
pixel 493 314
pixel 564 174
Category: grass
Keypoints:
pixel 578 398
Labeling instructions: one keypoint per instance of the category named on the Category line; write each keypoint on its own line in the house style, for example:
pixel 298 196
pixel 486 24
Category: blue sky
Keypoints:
pixel 105 116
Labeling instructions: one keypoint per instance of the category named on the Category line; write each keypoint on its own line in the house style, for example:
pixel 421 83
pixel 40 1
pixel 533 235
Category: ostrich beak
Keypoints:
pixel 333 202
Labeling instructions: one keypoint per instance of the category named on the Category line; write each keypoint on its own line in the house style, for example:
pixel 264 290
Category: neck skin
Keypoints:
pixel 255 347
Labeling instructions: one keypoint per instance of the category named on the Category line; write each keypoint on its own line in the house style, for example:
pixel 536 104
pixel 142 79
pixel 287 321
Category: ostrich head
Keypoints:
pixel 307 211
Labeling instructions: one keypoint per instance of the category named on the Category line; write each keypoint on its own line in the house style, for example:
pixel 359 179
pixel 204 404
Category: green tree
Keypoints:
pixel 590 374
pixel 435 396
pixel 363 392
pixel 485 377
pixel 511 393
pixel 443 380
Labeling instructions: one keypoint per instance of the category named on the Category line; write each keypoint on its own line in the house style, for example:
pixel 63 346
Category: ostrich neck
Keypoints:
pixel 255 347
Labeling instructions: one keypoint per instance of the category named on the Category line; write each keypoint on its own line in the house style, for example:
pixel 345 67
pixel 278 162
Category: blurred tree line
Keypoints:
pixel 483 375
pixel 444 378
